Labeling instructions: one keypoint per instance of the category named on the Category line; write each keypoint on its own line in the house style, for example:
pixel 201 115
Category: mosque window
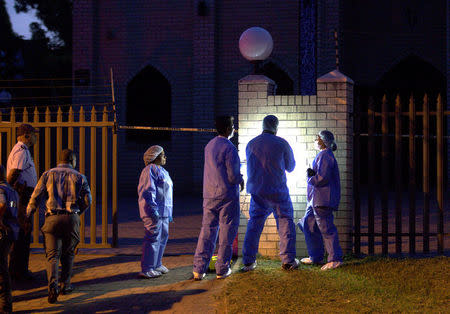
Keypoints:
pixel 148 104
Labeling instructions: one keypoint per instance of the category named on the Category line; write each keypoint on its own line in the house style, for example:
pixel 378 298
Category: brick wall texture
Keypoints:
pixel 199 56
pixel 301 118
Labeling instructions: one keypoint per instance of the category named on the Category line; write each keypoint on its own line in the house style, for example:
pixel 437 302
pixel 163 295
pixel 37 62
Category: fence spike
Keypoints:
pixel 93 114
pixel 82 118
pixel 13 115
pixel 25 115
pixel 47 114
pixel 105 114
pixel 70 114
pixel 36 114
pixel 59 114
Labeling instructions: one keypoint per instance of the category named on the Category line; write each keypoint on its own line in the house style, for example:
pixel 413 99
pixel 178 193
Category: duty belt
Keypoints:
pixel 60 212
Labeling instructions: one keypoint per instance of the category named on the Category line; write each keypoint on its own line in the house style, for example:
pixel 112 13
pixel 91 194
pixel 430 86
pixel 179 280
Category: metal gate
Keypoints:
pixel 92 135
pixel 399 152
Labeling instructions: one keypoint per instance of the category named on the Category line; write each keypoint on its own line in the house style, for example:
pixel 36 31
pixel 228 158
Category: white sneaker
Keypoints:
pixel 291 266
pixel 149 274
pixel 228 273
pixel 249 267
pixel 331 265
pixel 162 269
pixel 307 261
pixel 198 276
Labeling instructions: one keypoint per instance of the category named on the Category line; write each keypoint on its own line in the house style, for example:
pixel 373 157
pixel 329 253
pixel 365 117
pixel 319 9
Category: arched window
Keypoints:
pixel 285 86
pixel 148 104
pixel 413 75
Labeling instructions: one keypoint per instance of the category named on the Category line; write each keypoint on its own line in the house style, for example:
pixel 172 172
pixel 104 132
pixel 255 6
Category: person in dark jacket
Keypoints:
pixel 9 232
pixel 23 178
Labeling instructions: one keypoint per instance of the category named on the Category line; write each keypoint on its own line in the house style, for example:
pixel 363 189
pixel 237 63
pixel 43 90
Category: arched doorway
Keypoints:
pixel 285 85
pixel 148 104
pixel 414 76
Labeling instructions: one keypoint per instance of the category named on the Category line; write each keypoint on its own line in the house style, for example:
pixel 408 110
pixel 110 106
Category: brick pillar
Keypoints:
pixel 253 93
pixel 335 98
pixel 301 118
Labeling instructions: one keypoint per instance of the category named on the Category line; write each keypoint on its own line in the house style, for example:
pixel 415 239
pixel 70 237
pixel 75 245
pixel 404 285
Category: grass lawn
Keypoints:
pixel 369 285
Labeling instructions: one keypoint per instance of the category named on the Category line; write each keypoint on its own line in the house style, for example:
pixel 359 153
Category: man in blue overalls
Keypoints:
pixel 221 180
pixel 268 158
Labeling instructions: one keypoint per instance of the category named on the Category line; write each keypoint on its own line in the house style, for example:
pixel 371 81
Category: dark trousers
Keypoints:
pixel 20 254
pixel 61 237
pixel 5 280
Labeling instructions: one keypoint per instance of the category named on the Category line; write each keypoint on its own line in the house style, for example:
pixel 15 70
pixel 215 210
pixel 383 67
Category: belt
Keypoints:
pixel 60 212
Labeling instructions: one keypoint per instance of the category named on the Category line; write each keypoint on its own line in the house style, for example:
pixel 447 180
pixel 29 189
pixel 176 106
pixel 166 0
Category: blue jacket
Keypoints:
pixel 155 192
pixel 268 158
pixel 11 215
pixel 221 173
pixel 324 188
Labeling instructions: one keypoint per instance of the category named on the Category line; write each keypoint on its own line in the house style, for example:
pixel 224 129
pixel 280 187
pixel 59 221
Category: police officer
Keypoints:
pixel 22 176
pixel 9 231
pixel 67 195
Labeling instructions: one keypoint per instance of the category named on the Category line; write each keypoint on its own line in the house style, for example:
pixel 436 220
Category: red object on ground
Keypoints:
pixel 235 246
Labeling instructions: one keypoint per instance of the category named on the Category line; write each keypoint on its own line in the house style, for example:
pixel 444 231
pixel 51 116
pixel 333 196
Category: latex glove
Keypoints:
pixel 170 219
pixel 155 215
pixel 310 173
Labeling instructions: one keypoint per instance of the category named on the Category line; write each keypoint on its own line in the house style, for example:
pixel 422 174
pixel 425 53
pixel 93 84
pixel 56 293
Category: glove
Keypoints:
pixel 155 215
pixel 310 173
pixel 170 219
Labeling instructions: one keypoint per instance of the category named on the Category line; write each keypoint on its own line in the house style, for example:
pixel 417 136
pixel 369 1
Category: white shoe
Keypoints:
pixel 291 266
pixel 249 267
pixel 331 265
pixel 149 274
pixel 307 261
pixel 162 269
pixel 198 276
pixel 228 273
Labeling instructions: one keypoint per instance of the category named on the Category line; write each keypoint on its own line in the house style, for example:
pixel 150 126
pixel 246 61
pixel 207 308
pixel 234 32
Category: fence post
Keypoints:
pixel 93 164
pixel 412 176
pixel 440 171
pixel 398 175
pixel 36 164
pixel 82 158
pixel 384 174
pixel 105 178
pixel 371 176
pixel 356 182
pixel 426 174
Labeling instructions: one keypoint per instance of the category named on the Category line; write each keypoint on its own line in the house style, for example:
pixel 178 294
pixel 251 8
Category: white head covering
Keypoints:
pixel 328 139
pixel 270 123
pixel 152 153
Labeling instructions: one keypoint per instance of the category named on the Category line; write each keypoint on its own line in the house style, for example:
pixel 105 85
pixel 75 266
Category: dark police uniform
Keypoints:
pixel 20 158
pixel 8 233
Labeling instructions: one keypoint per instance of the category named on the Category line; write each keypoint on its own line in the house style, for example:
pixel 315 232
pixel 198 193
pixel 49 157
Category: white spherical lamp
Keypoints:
pixel 255 44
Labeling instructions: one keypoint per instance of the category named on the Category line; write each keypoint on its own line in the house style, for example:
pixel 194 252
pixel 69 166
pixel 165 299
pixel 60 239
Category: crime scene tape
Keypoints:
pixel 157 128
